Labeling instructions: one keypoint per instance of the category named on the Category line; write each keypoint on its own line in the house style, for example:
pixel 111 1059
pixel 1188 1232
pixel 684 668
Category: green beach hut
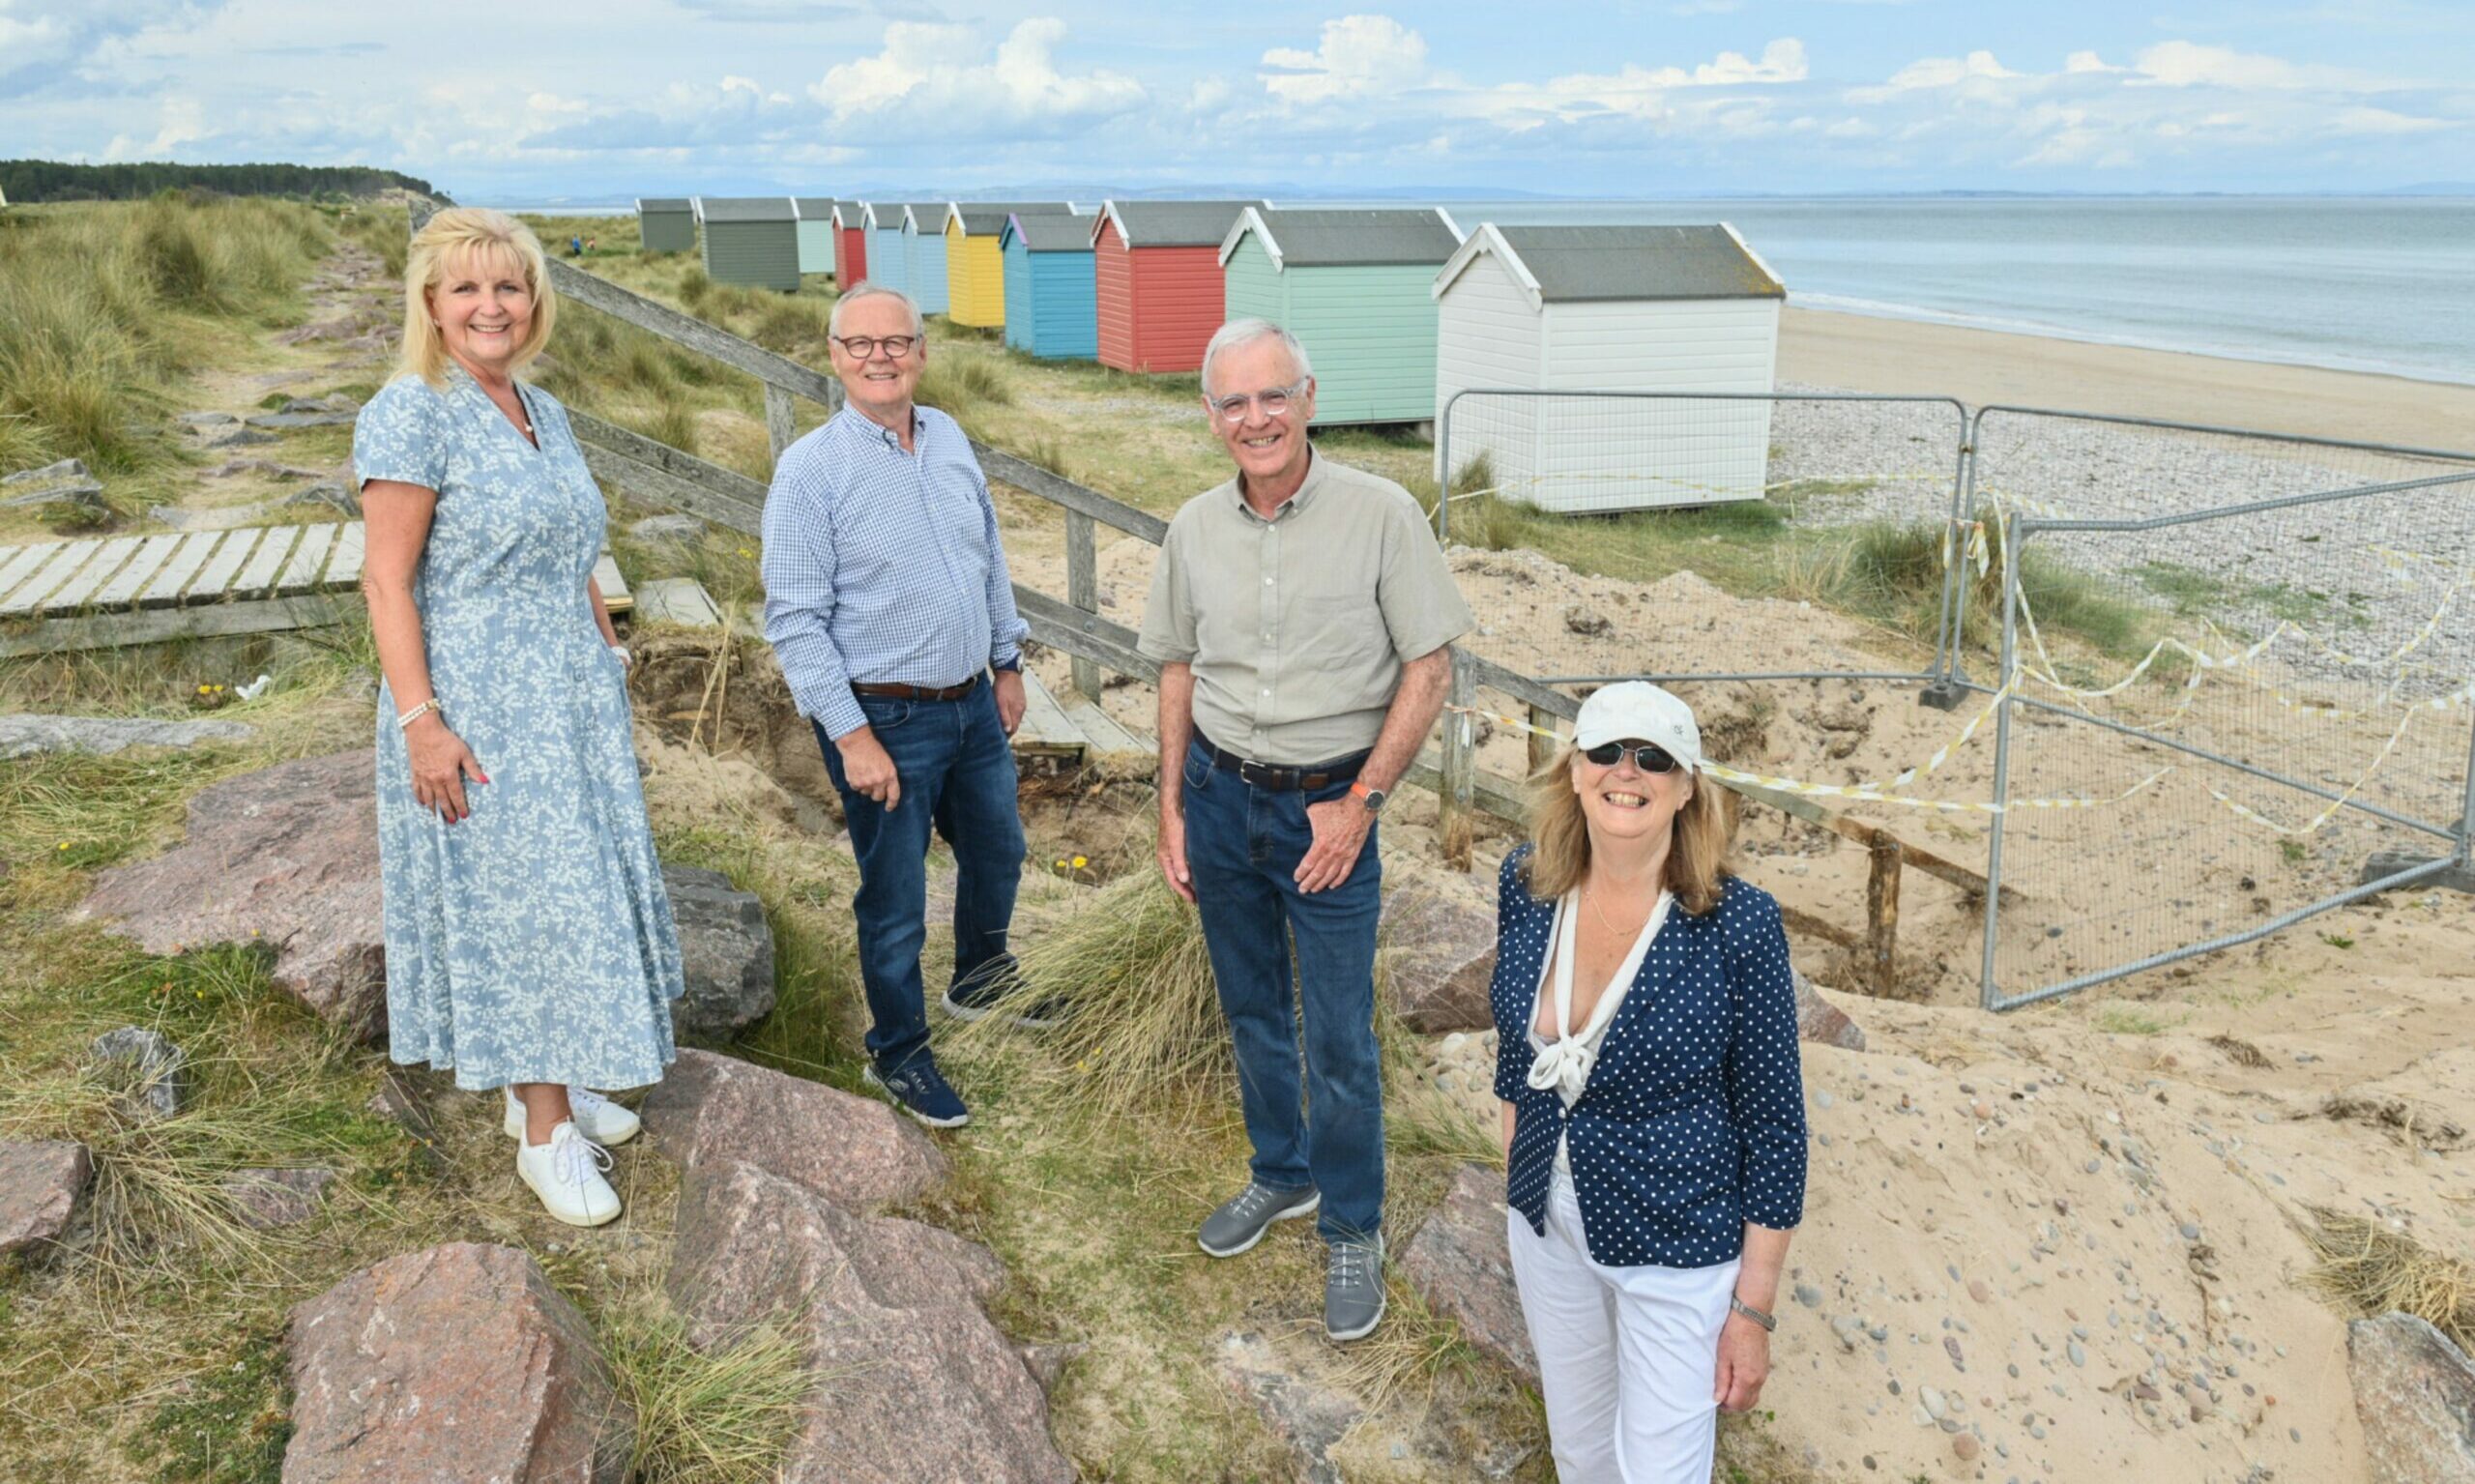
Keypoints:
pixel 751 240
pixel 816 232
pixel 1355 286
pixel 666 224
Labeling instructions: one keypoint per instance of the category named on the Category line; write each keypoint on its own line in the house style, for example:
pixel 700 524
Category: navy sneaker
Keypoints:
pixel 982 992
pixel 919 1089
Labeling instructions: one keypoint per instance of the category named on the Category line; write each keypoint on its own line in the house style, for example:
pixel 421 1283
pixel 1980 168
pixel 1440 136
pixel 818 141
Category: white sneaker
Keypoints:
pixel 596 1117
pixel 565 1173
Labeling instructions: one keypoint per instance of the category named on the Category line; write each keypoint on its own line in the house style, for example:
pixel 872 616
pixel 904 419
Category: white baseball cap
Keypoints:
pixel 1631 710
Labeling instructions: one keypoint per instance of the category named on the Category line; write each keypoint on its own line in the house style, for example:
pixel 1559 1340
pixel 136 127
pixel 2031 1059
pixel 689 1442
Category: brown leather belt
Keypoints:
pixel 896 690
pixel 1278 777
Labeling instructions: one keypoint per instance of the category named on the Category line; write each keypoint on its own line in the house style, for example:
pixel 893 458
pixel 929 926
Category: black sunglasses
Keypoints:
pixel 1647 756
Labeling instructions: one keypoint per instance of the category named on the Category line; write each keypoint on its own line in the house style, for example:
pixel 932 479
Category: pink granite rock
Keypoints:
pixel 856 1151
pixel 41 1185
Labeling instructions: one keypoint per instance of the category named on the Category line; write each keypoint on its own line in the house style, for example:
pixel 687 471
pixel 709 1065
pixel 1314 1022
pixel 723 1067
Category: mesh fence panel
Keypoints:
pixel 2241 675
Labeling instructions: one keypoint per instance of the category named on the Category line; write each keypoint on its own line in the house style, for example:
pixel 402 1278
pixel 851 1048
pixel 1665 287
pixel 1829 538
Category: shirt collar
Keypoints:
pixel 869 427
pixel 1296 502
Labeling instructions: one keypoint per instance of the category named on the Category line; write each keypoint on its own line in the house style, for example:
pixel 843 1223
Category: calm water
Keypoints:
pixel 2382 284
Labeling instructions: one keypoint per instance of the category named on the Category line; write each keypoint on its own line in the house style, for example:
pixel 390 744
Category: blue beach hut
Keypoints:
pixel 882 221
pixel 923 255
pixel 1052 304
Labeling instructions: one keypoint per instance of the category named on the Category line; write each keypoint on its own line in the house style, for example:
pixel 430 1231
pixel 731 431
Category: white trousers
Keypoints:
pixel 1627 1356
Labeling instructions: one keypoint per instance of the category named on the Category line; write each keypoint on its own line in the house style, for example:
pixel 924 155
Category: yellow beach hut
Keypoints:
pixel 974 262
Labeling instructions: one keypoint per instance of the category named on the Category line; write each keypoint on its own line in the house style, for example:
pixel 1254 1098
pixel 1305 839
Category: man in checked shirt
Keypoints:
pixel 888 601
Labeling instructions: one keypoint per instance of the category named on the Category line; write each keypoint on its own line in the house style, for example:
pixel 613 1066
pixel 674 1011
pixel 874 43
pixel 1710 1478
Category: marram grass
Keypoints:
pixel 2366 1269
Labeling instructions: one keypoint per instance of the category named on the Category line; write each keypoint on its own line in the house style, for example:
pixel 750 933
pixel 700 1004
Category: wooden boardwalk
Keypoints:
pixel 99 590
pixel 1077 732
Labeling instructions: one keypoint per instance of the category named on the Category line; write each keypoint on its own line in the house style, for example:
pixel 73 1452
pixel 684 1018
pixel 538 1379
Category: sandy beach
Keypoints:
pixel 1861 353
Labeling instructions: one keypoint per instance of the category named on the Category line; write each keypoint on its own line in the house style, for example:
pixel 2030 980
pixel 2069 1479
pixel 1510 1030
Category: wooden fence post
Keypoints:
pixel 1882 915
pixel 1459 766
pixel 1082 589
pixel 1542 747
pixel 777 419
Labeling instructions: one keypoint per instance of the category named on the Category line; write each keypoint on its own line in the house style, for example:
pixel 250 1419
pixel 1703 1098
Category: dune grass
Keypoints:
pixel 2367 1268
pixel 721 1414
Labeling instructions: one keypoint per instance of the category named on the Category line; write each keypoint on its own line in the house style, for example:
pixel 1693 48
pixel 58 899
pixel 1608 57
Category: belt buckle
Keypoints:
pixel 1258 774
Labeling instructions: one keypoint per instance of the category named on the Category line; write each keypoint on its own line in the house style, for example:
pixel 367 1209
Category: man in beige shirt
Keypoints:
pixel 1300 613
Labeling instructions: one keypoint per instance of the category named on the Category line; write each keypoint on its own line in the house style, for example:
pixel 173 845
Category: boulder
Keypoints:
pixel 230 435
pixel 327 492
pixel 206 419
pixel 1313 1417
pixel 857 1151
pixel 2415 1396
pixel 288 857
pixel 65 471
pixel 457 1362
pixel 1460 1264
pixel 266 1198
pixel 42 1183
pixel 1819 1020
pixel 157 1071
pixel 1442 957
pixel 725 950
pixel 667 528
pixel 923 1387
pixel 66 483
pixel 25 735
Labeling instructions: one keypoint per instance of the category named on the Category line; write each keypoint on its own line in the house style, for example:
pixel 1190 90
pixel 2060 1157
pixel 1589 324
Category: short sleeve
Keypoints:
pixel 1168 634
pixel 401 436
pixel 1423 608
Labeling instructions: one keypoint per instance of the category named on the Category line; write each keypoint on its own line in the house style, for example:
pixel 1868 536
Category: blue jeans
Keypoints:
pixel 1243 847
pixel 956 767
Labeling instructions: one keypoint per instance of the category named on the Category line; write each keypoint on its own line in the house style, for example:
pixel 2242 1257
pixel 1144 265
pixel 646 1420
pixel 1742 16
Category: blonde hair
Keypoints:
pixel 1697 853
pixel 462 232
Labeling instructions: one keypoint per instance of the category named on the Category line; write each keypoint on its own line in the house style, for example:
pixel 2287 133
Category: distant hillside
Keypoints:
pixel 26 181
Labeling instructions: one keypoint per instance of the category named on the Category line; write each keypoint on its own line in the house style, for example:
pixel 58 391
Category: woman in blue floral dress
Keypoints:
pixel 530 945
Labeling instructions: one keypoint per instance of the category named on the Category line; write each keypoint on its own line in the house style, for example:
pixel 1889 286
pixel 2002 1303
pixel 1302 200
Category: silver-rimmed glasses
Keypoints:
pixel 1274 402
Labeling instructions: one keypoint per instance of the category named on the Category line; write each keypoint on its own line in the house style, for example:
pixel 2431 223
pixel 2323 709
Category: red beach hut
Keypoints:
pixel 1157 269
pixel 850 245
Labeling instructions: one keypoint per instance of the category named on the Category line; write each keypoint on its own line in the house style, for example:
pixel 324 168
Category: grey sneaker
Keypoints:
pixel 1242 1220
pixel 1353 1288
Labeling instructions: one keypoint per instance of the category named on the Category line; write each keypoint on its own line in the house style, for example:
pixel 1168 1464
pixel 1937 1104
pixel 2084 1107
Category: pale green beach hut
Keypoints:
pixel 816 232
pixel 1355 286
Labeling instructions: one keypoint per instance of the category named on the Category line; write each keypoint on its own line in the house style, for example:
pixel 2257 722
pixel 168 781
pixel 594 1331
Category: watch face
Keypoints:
pixel 1374 797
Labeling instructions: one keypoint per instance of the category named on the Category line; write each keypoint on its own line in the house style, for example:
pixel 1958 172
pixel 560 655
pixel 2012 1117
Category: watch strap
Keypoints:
pixel 1766 1321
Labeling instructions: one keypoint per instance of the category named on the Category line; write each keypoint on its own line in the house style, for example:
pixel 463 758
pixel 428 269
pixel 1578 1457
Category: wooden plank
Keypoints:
pixel 152 553
pixel 1864 834
pixel 153 625
pixel 79 591
pixel 1046 729
pixel 1062 627
pixel 351 546
pixel 660 473
pixel 308 560
pixel 778 424
pixel 214 578
pixel 260 575
pixel 615 596
pixel 1882 915
pixel 1799 920
pixel 1057 489
pixel 21 566
pixel 177 569
pixel 680 600
pixel 1104 732
pixel 695 334
pixel 1082 589
pixel 65 559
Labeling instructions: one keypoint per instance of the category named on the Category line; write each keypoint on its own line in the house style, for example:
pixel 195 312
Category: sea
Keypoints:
pixel 2379 283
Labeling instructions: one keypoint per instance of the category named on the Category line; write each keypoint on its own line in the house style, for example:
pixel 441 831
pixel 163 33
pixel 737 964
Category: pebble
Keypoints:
pixel 1824 1099
pixel 2091 1166
pixel 1951 1346
pixel 1936 1404
pixel 1980 1290
pixel 2077 1355
pixel 1809 1295
pixel 2191 1231
pixel 1982 1109
pixel 1964 1447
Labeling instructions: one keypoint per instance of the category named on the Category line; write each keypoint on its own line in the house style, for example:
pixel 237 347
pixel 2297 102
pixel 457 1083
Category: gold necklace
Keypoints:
pixel 1596 912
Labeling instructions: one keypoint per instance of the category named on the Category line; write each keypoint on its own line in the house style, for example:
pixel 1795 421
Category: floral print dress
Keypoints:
pixel 533 941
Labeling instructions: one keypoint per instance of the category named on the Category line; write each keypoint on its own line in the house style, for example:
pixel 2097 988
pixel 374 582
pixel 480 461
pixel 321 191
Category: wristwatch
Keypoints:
pixel 1766 1321
pixel 1372 798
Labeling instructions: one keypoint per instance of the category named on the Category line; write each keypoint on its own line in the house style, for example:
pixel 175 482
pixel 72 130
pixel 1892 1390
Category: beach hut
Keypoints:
pixel 883 223
pixel 816 233
pixel 974 267
pixel 1355 286
pixel 1609 308
pixel 1156 274
pixel 666 224
pixel 923 255
pixel 751 240
pixel 850 245
pixel 1051 311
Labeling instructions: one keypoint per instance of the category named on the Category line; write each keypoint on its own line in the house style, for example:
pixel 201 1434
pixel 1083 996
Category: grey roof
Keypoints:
pixel 989 216
pixel 1577 264
pixel 1175 223
pixel 746 208
pixel 887 214
pixel 1328 238
pixel 814 208
pixel 665 204
pixel 1048 232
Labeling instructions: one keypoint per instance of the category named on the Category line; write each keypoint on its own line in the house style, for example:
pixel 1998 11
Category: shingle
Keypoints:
pixel 747 208
pixel 1578 264
pixel 665 204
pixel 1045 232
pixel 1177 223
pixel 815 208
pixel 1326 238
pixel 989 216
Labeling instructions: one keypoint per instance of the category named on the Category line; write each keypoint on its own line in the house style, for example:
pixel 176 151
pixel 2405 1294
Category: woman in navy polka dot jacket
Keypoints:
pixel 1654 1099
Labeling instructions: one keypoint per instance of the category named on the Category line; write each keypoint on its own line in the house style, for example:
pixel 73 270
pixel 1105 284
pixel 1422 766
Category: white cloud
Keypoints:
pixel 2380 121
pixel 932 82
pixel 1357 56
pixel 1945 71
pixel 2189 64
pixel 2087 62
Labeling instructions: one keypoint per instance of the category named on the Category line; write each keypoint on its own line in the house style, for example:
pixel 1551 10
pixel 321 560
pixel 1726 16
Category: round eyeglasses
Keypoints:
pixel 1647 756
pixel 1275 403
pixel 862 346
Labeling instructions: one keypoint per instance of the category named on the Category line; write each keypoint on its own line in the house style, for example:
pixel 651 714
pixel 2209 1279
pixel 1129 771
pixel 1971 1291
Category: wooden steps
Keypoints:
pixel 96 592
pixel 1077 733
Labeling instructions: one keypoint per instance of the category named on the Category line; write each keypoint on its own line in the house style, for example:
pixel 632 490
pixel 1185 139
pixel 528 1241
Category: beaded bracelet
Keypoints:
pixel 417 712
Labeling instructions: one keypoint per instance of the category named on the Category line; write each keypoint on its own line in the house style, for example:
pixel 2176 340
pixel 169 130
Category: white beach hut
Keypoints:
pixel 1608 309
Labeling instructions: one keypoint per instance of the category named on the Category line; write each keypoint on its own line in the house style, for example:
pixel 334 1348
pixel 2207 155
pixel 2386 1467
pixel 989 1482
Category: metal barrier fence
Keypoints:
pixel 2231 671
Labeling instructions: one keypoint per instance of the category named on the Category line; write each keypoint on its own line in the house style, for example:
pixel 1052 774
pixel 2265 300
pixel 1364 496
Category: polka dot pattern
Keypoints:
pixel 1693 1121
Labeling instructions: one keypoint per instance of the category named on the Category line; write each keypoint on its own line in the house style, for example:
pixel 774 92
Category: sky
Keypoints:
pixel 541 101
